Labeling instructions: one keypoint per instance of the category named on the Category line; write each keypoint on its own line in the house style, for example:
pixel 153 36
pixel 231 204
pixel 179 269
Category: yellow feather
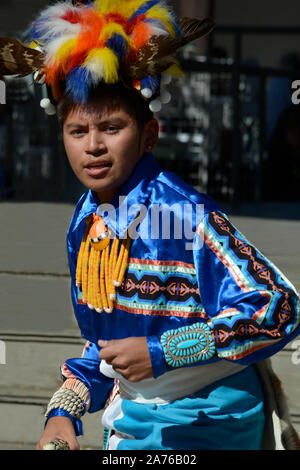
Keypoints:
pixel 162 14
pixel 102 6
pixel 174 70
pixel 125 8
pixel 128 8
pixel 65 50
pixel 114 28
pixel 33 45
pixel 103 63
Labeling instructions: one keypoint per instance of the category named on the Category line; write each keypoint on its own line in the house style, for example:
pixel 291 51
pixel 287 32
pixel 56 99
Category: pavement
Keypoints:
pixel 38 327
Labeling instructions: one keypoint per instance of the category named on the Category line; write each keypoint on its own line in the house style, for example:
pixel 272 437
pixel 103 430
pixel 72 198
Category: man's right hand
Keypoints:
pixel 59 427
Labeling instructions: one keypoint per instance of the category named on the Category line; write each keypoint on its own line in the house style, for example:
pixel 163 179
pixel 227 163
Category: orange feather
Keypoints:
pixel 88 38
pixel 141 35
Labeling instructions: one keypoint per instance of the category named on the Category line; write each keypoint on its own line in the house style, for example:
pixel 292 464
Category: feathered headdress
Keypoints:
pixel 80 44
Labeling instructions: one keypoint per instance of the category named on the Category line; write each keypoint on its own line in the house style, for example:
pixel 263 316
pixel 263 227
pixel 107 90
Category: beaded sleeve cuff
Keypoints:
pixel 73 397
pixel 80 389
pixel 188 345
pixel 66 400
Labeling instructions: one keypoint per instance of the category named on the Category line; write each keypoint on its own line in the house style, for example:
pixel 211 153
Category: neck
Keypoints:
pixel 105 197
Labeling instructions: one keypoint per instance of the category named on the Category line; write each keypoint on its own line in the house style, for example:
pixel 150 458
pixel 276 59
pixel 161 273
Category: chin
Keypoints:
pixel 100 187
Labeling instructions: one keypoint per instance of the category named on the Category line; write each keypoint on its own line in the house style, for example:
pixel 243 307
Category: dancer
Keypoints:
pixel 176 305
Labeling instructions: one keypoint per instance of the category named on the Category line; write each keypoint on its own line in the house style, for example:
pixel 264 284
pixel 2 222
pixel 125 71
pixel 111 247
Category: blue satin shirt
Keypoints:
pixel 189 266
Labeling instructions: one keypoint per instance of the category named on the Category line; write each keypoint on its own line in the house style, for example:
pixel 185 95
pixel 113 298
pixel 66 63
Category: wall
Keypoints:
pixel 268 49
pixel 16 15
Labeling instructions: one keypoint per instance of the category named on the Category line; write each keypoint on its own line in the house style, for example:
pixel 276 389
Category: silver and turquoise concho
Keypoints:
pixel 188 345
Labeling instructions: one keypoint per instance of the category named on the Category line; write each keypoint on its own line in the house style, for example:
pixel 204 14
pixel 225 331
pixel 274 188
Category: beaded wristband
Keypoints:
pixel 67 400
pixel 188 345
pixel 80 389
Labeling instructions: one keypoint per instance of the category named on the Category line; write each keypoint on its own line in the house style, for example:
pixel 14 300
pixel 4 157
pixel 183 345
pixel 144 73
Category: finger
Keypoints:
pixel 119 367
pixel 74 444
pixel 108 354
pixel 103 343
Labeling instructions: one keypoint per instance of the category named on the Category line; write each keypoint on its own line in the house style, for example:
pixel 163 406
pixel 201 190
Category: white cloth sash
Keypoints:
pixel 172 385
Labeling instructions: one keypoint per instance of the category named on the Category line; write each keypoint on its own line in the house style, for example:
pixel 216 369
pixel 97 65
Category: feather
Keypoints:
pixel 144 8
pixel 129 7
pixel 63 52
pixel 141 35
pixel 18 59
pixel 192 28
pixel 119 45
pixel 161 13
pixel 87 42
pixel 78 84
pixel 156 26
pixel 47 30
pixel 174 70
pixel 103 64
pixel 56 45
pixel 153 83
pixel 55 21
pixel 111 29
pixel 160 52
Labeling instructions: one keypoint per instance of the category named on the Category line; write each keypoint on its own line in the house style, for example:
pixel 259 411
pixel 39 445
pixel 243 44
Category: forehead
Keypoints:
pixel 86 113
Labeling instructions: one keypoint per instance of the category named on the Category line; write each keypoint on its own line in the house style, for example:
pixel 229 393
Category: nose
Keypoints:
pixel 95 144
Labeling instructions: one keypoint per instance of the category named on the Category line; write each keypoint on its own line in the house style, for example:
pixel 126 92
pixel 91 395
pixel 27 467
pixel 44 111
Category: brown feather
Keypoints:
pixel 160 52
pixel 18 59
pixel 193 29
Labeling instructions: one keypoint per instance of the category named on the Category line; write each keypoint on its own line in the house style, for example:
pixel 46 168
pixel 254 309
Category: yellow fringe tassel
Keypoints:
pixel 102 281
pixel 80 254
pixel 98 303
pixel 112 265
pixel 124 261
pixel 90 294
pixel 99 272
pixel 84 275
pixel 110 304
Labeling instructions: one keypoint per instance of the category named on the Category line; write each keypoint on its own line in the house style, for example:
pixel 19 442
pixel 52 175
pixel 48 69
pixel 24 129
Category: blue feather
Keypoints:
pixel 175 24
pixel 144 8
pixel 155 22
pixel 39 29
pixel 119 45
pixel 151 82
pixel 78 84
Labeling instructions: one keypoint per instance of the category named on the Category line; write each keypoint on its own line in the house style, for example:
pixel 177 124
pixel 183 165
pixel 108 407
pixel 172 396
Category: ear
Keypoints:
pixel 150 134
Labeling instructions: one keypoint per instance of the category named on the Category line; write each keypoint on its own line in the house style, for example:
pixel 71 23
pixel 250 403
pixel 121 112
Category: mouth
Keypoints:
pixel 98 169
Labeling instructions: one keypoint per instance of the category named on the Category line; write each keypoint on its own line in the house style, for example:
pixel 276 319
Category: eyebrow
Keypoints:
pixel 115 120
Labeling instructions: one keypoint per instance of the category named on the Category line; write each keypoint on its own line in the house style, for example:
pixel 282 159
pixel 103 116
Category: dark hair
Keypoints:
pixel 114 97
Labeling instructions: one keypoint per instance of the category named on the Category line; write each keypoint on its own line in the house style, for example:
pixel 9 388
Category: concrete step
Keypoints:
pixel 36 304
pixel 33 237
pixel 23 424
pixel 28 380
pixel 33 363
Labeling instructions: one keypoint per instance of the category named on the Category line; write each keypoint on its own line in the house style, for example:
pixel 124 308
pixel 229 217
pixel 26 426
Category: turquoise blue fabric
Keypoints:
pixel 227 415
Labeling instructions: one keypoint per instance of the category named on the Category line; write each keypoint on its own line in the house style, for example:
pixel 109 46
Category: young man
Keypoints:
pixel 213 400
pixel 174 302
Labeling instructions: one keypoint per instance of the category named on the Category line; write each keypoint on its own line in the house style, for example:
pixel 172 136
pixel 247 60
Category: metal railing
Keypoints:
pixel 237 69
pixel 61 185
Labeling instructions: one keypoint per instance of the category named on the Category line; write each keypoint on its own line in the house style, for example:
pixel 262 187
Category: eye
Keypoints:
pixel 111 129
pixel 77 132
